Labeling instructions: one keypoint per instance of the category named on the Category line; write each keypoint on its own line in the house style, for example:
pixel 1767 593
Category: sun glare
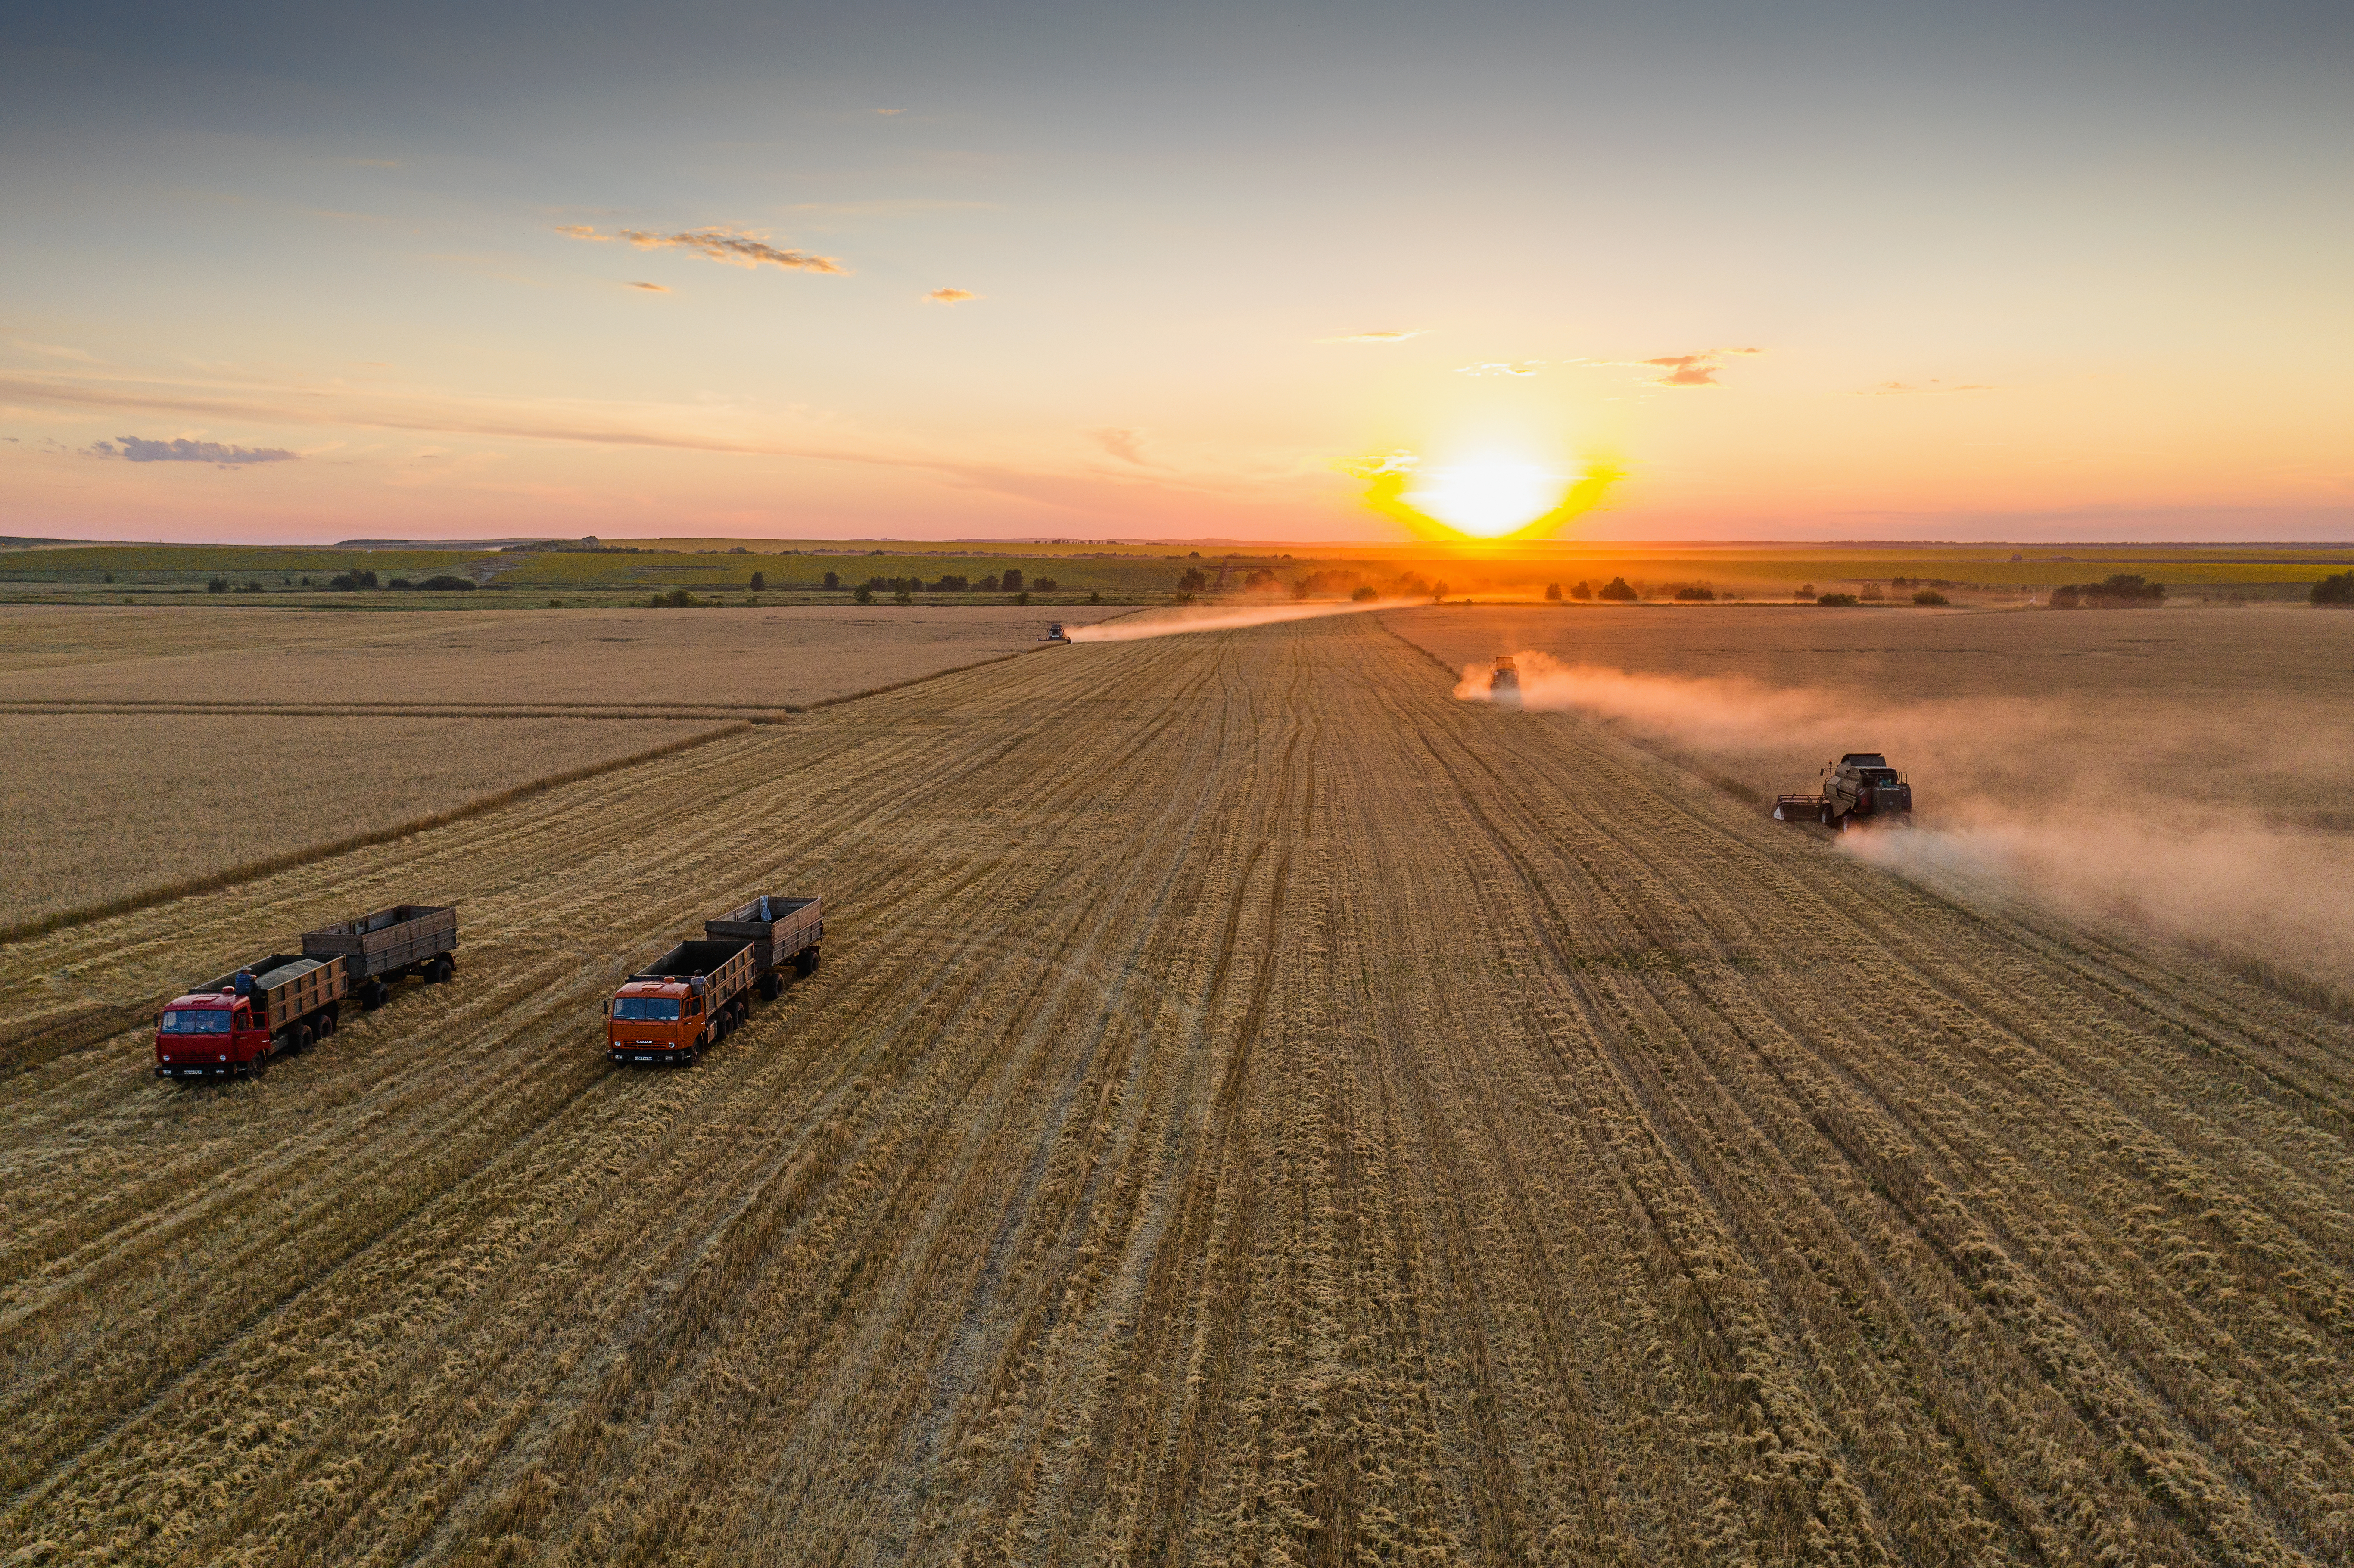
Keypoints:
pixel 1488 497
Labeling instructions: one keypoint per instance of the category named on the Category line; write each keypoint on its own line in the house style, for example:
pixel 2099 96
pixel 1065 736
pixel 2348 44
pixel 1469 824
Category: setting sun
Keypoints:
pixel 1488 497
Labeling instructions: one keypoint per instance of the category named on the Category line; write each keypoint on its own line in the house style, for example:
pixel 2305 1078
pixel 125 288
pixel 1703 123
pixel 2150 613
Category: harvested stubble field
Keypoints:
pixel 1256 1108
pixel 2186 768
pixel 179 744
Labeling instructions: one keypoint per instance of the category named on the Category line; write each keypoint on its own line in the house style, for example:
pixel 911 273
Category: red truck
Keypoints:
pixel 696 994
pixel 280 1004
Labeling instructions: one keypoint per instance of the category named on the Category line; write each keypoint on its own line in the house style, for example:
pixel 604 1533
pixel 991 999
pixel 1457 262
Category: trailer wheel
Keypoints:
pixel 805 961
pixel 770 986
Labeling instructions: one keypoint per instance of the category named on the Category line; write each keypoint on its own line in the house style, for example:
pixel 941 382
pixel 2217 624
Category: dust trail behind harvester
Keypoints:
pixel 1208 618
pixel 2041 798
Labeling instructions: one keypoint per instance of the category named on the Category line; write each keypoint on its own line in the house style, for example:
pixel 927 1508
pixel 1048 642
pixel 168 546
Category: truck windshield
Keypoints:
pixel 650 1007
pixel 212 1020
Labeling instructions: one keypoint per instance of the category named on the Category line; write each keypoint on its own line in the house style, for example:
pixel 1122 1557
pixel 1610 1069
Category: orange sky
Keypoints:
pixel 1822 272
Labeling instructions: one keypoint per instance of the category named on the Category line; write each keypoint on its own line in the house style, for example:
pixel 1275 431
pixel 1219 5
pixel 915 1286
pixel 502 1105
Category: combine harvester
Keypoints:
pixel 282 1004
pixel 1504 683
pixel 698 993
pixel 1859 790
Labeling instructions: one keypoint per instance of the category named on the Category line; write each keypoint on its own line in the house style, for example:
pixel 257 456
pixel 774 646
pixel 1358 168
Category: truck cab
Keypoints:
pixel 655 1020
pixel 210 1035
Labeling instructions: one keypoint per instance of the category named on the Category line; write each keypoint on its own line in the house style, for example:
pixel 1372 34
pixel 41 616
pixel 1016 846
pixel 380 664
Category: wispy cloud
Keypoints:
pixel 890 111
pixel 651 288
pixel 1686 370
pixel 57 351
pixel 135 449
pixel 1894 388
pixel 951 296
pixel 727 245
pixel 1502 367
pixel 1376 336
pixel 1694 369
pixel 1122 444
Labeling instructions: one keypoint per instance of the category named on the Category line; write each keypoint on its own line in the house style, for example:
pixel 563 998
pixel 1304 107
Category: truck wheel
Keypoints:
pixel 743 1013
pixel 259 1067
pixel 301 1041
pixel 770 986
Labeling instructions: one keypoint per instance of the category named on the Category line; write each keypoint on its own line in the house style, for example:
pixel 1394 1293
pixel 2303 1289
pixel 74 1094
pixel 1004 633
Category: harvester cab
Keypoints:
pixel 1053 633
pixel 1858 790
pixel 1504 681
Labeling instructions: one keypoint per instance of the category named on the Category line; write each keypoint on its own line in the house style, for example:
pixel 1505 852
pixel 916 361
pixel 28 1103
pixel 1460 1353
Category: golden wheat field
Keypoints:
pixel 1256 1108
pixel 180 745
pixel 722 661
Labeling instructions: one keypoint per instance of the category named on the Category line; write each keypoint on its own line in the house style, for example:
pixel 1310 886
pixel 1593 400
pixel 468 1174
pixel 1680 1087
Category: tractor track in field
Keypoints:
pixel 1252 1108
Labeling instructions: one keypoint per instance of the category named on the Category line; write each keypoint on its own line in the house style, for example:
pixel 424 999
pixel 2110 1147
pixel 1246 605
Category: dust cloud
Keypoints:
pixel 1208 618
pixel 2070 804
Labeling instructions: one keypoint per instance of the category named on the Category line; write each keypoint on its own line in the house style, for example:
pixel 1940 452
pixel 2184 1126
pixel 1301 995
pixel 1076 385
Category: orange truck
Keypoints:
pixel 282 1004
pixel 694 995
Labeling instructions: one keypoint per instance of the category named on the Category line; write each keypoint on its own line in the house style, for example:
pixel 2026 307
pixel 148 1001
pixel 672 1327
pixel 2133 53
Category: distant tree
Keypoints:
pixel 759 581
pixel 283 581
pixel 449 585
pixel 1194 556
pixel 1618 592
pixel 1929 596
pixel 1804 590
pixel 1299 588
pixel 1021 599
pixel 1438 591
pixel 1583 590
pixel 217 584
pixel 1553 593
pixel 952 585
pixel 2336 588
pixel 253 585
pixel 1192 581
pixel 1095 596
pixel 833 581
pixel 306 582
pixel 1836 599
pixel 1012 580
pixel 862 594
pixel 1364 594
pixel 1871 594
pixel 1691 594
pixel 901 596
pixel 1046 585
